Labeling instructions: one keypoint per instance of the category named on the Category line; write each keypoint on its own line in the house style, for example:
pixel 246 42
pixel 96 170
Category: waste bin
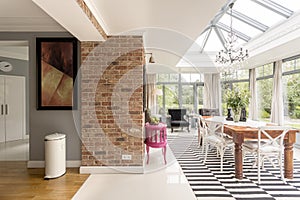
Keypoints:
pixel 55 155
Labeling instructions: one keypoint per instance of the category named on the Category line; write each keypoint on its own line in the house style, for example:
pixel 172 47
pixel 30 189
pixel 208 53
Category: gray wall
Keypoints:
pixel 20 68
pixel 44 122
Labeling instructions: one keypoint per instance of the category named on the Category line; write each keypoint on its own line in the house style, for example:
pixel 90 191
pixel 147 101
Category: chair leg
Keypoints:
pixel 203 145
pixel 221 151
pixel 164 150
pixel 147 149
pixel 258 168
pixel 171 130
pixel 206 150
pixel 281 167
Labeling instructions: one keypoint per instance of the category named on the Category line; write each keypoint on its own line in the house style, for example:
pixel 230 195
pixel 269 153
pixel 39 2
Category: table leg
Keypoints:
pixel 288 160
pixel 238 161
pixel 238 155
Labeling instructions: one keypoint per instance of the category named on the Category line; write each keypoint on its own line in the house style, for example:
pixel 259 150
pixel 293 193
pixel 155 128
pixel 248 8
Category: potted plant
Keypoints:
pixel 236 100
pixel 151 119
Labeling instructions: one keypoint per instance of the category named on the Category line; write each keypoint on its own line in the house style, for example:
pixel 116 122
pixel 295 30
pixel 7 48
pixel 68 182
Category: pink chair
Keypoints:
pixel 156 137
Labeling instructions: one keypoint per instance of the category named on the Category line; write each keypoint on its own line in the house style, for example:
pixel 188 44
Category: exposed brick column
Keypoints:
pixel 112 101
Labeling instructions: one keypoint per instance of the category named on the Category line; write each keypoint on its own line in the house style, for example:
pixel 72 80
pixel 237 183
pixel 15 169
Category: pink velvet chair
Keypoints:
pixel 156 137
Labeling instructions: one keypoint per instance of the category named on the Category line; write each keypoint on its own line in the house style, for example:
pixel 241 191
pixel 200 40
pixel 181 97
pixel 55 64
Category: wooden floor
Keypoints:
pixel 18 182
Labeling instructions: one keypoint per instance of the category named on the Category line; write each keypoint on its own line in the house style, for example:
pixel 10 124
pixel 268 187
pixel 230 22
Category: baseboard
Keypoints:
pixel 41 164
pixel 111 170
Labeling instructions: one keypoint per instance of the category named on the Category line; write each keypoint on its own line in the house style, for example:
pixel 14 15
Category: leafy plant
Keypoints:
pixel 237 99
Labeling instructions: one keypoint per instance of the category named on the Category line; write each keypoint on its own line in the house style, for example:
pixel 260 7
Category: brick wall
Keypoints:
pixel 112 101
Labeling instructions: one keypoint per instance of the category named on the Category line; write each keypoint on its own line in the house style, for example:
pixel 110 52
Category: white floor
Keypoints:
pixel 159 182
pixel 14 151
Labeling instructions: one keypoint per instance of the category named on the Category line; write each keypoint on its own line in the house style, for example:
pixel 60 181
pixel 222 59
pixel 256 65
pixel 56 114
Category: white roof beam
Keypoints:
pixel 249 20
pixel 275 7
pixel 205 40
pixel 238 33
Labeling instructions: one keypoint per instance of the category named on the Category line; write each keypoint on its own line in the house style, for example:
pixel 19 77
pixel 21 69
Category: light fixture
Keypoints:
pixel 232 54
pixel 5 66
pixel 151 59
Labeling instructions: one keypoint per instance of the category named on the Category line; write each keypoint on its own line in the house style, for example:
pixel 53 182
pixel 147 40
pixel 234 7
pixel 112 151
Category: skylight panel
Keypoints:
pixel 240 26
pixel 293 5
pixel 213 42
pixel 258 12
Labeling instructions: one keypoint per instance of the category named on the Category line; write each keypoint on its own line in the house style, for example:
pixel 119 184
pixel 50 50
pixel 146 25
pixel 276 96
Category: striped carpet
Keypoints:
pixel 208 182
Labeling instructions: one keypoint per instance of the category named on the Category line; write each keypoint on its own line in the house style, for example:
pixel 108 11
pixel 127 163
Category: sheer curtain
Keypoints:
pixel 253 106
pixel 151 93
pixel 277 98
pixel 212 91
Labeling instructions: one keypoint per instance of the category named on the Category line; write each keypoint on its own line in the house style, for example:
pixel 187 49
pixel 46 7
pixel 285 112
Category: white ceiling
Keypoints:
pixel 24 15
pixel 169 26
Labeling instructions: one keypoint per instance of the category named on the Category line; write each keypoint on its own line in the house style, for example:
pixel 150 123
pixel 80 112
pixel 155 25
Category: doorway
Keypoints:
pixel 14 145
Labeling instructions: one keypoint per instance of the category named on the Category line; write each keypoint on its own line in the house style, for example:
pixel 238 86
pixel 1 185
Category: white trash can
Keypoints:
pixel 55 155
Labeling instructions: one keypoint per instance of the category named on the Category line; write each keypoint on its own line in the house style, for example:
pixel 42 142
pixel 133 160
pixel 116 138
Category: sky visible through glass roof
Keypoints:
pixel 256 15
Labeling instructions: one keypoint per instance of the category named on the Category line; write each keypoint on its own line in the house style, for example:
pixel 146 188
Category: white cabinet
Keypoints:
pixel 12 108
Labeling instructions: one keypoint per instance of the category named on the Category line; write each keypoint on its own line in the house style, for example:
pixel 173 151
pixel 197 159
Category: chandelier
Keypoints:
pixel 231 54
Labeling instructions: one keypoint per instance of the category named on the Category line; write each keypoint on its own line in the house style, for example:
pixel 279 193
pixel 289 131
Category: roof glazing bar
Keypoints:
pixel 238 34
pixel 271 5
pixel 249 20
pixel 220 36
pixel 205 39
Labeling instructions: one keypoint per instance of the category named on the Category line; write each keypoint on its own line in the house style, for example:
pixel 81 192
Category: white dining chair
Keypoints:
pixel 266 146
pixel 214 136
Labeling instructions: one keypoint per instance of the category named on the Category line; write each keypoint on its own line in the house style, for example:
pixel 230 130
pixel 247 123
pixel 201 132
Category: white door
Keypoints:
pixel 14 107
pixel 2 116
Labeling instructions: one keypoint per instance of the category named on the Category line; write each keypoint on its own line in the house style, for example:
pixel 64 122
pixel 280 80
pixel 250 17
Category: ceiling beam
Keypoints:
pixel 74 19
pixel 238 33
pixel 275 7
pixel 248 20
pixel 220 36
pixel 205 40
pixel 219 15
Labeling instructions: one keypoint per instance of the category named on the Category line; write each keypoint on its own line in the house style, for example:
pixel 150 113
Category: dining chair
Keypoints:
pixel 156 137
pixel 214 136
pixel 266 146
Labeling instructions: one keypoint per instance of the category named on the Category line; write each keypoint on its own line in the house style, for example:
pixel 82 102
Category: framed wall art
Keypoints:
pixel 57 69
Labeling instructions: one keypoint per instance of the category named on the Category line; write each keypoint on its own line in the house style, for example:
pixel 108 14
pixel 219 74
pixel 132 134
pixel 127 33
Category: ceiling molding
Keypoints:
pixel 92 18
pixel 74 19
pixel 31 24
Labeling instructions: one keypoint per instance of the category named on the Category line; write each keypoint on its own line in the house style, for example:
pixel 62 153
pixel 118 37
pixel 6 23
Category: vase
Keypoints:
pixel 236 114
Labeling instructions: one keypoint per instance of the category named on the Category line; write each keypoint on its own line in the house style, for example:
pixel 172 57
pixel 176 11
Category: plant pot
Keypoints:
pixel 236 114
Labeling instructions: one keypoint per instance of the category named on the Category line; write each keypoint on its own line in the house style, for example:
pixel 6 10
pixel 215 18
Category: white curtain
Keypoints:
pixel 151 93
pixel 212 91
pixel 277 98
pixel 253 105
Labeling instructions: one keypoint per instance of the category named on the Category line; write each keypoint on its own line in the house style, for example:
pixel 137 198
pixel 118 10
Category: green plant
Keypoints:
pixel 237 99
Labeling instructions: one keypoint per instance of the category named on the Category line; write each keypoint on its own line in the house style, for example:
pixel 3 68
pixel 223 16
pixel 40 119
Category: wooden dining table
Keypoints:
pixel 241 133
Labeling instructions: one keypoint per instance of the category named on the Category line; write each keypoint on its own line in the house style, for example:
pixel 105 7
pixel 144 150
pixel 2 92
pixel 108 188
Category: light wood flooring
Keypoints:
pixel 18 182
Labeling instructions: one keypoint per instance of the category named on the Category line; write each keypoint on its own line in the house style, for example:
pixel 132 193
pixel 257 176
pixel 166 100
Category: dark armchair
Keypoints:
pixel 209 112
pixel 178 119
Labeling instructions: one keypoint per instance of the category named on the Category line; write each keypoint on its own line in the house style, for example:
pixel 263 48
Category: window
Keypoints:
pixel 291 92
pixel 187 93
pixel 264 84
pixel 238 79
pixel 188 97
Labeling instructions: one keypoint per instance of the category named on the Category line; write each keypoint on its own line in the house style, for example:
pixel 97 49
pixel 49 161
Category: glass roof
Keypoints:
pixel 250 18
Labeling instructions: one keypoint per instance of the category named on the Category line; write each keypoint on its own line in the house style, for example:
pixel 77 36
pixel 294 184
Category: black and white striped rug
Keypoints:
pixel 208 182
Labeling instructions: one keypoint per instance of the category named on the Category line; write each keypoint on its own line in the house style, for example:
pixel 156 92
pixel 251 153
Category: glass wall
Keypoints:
pixel 264 84
pixel 180 91
pixel 231 81
pixel 291 91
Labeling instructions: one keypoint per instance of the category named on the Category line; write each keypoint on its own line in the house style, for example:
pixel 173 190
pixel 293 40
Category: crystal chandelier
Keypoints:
pixel 231 54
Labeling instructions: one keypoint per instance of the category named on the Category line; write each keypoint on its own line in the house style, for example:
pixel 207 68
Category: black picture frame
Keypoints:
pixel 57 62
